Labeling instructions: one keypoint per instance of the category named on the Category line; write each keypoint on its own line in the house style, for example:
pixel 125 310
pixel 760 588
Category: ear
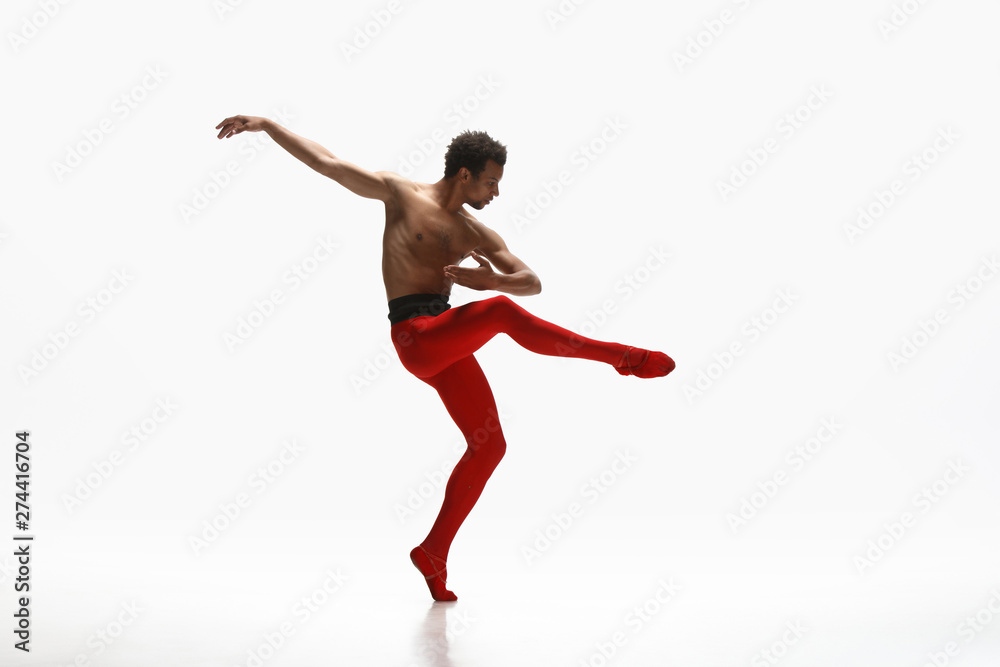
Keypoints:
pixel 464 174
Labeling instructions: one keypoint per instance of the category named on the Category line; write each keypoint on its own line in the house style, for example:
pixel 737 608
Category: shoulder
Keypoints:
pixel 473 223
pixel 401 189
pixel 486 238
pixel 396 181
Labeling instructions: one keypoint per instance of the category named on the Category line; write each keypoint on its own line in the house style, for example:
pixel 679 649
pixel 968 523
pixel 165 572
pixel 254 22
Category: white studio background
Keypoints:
pixel 795 200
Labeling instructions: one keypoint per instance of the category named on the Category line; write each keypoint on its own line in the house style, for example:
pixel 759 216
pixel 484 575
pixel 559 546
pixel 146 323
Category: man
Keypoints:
pixel 428 232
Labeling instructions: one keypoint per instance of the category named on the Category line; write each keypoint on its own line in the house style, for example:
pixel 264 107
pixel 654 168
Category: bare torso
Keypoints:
pixel 420 239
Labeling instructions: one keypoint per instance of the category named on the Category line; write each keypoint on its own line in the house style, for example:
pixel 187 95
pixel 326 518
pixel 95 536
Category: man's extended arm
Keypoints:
pixel 356 179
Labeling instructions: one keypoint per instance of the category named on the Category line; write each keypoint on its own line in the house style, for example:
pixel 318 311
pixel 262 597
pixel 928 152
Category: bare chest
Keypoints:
pixel 439 238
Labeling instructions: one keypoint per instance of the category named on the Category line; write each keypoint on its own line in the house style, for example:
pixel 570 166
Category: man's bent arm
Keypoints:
pixel 519 283
pixel 513 275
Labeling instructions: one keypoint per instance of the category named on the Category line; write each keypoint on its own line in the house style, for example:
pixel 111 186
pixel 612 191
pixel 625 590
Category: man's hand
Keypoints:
pixel 480 278
pixel 236 124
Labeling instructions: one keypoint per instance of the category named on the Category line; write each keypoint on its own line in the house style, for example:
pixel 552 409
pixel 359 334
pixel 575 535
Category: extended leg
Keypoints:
pixel 427 345
pixel 469 400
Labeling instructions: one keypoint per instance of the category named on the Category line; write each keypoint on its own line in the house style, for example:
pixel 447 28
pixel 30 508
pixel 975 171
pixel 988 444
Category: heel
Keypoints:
pixel 430 558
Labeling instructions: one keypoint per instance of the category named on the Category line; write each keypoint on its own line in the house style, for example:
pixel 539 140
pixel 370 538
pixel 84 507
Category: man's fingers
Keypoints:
pixel 230 126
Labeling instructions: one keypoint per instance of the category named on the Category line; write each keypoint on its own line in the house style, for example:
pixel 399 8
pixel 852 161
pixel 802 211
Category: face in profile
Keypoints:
pixel 481 189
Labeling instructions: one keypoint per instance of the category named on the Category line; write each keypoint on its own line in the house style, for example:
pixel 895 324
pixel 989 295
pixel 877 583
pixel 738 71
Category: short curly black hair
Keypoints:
pixel 473 149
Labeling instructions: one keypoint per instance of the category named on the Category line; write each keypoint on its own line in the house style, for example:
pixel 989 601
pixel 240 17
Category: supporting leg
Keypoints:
pixel 466 394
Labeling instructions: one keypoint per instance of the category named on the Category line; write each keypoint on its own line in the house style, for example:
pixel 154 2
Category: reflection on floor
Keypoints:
pixel 573 608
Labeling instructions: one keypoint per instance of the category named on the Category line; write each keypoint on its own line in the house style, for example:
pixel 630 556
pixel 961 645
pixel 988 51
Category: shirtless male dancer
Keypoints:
pixel 428 232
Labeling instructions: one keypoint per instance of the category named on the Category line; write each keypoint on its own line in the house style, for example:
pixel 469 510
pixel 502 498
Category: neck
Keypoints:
pixel 447 194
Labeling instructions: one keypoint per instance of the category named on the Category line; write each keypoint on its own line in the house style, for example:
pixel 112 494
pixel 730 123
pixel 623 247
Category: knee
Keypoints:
pixel 503 301
pixel 504 305
pixel 496 450
pixel 490 449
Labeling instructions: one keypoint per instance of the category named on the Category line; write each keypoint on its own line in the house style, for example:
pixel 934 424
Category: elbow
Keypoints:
pixel 537 287
pixel 326 166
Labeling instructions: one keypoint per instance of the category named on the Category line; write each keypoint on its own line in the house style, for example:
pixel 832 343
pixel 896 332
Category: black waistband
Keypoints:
pixel 414 305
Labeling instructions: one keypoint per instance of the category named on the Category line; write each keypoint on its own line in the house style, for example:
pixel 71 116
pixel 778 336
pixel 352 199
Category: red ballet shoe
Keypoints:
pixel 435 575
pixel 652 364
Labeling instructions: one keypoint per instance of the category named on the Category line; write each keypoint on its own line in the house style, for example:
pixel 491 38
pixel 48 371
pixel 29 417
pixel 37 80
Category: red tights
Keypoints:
pixel 438 350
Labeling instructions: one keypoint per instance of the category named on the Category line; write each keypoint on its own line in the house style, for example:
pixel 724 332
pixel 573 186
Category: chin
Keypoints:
pixel 477 205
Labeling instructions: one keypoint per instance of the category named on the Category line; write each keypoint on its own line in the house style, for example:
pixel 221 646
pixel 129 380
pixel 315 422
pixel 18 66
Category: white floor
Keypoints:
pixel 582 603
